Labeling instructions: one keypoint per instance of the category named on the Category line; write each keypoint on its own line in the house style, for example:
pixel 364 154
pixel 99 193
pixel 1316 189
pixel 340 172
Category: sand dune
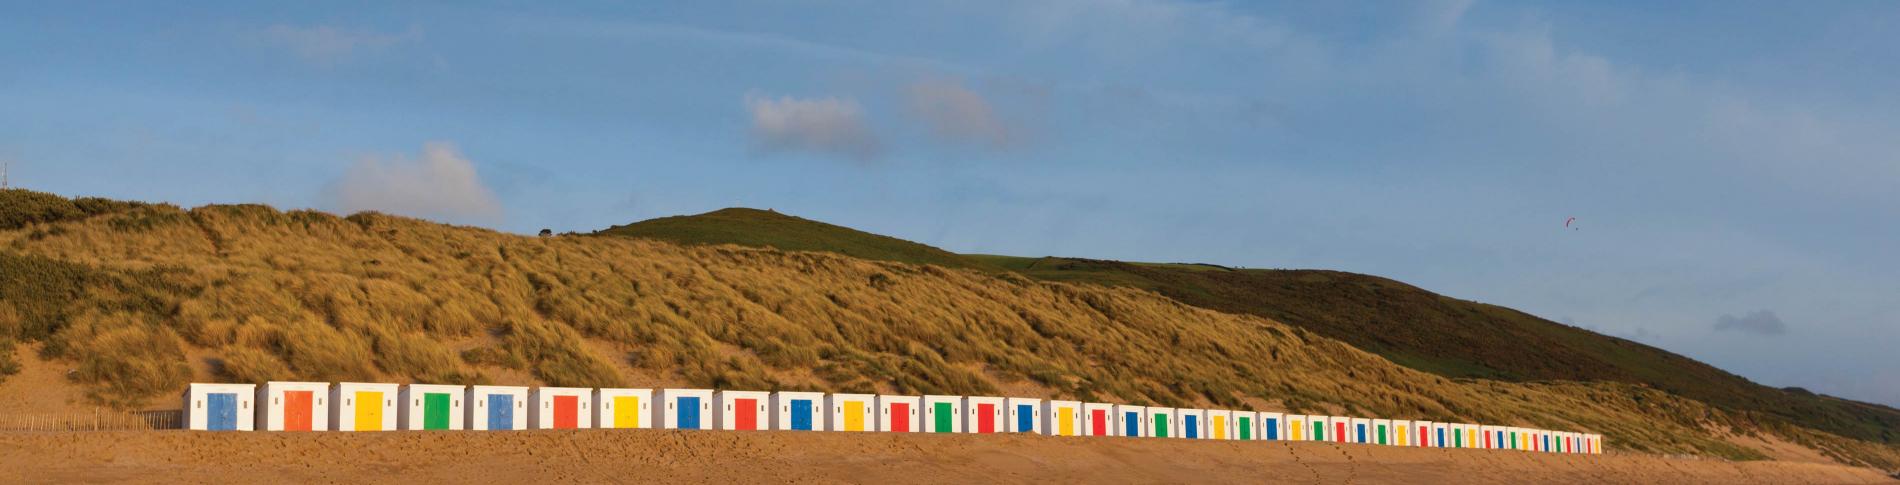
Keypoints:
pixel 646 456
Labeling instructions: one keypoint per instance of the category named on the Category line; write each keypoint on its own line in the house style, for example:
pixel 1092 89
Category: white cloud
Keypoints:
pixel 956 113
pixel 829 125
pixel 1760 322
pixel 322 44
pixel 440 184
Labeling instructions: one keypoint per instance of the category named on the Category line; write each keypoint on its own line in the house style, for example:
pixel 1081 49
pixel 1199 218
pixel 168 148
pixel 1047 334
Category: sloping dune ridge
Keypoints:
pixel 139 301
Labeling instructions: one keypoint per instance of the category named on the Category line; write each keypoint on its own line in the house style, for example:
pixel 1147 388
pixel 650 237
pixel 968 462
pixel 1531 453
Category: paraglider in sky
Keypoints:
pixel 1568 222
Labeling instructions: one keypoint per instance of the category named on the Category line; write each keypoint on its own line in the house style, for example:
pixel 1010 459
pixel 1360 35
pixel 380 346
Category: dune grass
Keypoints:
pixel 265 294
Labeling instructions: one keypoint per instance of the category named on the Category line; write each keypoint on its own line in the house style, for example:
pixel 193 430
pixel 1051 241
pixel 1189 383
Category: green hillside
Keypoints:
pixel 1403 323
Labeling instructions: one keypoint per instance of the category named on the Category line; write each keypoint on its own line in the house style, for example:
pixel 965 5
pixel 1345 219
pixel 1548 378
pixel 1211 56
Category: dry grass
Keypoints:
pixel 306 295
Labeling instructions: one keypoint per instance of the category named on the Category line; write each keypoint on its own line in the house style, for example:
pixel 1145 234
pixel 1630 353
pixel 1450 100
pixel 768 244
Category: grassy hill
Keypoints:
pixel 140 299
pixel 1405 324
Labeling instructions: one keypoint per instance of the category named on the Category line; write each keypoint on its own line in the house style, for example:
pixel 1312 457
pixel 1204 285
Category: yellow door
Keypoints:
pixel 1295 435
pixel 1220 427
pixel 369 411
pixel 626 411
pixel 854 416
pixel 1398 435
pixel 1065 421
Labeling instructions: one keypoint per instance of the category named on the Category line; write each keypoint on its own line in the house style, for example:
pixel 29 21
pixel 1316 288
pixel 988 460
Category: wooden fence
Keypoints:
pixel 98 420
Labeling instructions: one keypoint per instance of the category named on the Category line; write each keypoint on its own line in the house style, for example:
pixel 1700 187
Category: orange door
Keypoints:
pixel 297 410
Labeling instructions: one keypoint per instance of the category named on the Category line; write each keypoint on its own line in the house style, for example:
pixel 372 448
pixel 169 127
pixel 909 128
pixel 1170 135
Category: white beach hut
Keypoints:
pixel 1161 423
pixel 1220 424
pixel 1402 433
pixel 1025 415
pixel 1422 434
pixel 1131 421
pixel 1193 422
pixel 561 408
pixel 1441 435
pixel 742 410
pixel 798 411
pixel 683 409
pixel 358 406
pixel 943 414
pixel 852 412
pixel 1382 432
pixel 496 408
pixel 898 414
pixel 1319 428
pixel 984 415
pixel 1098 419
pixel 1361 431
pixel 220 407
pixel 1246 425
pixel 430 407
pixel 293 406
pixel 1062 418
pixel 1273 426
pixel 1298 427
pixel 623 408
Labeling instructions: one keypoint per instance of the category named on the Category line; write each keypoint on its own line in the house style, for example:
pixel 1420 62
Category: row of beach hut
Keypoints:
pixel 351 406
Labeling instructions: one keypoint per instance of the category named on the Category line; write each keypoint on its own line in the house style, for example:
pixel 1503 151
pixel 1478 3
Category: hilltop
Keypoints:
pixel 136 300
pixel 1405 324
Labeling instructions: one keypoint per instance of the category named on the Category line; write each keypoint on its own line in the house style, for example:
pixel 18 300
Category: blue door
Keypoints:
pixel 801 414
pixel 1441 438
pixel 221 412
pixel 501 412
pixel 1190 429
pixel 1273 428
pixel 688 413
pixel 1131 424
pixel 1025 418
pixel 1362 433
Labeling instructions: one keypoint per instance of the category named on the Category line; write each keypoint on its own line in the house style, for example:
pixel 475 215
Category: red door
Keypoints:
pixel 745 414
pixel 986 418
pixel 1100 418
pixel 900 417
pixel 1339 432
pixel 297 410
pixel 566 412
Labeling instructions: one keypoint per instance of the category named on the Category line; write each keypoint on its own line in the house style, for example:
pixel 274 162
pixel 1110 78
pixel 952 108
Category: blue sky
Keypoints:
pixel 1732 165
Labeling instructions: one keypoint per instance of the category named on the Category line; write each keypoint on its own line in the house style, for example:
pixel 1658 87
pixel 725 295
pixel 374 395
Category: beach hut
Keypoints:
pixel 623 408
pixel 293 406
pixel 496 408
pixel 1343 430
pixel 943 414
pixel 1457 432
pixel 1098 419
pixel 1220 424
pixel 1441 435
pixel 984 415
pixel 1596 444
pixel 1296 428
pixel 898 414
pixel 1132 421
pixel 1362 432
pixel 683 409
pixel 1025 415
pixel 1401 433
pixel 1062 418
pixel 357 406
pixel 1471 435
pixel 1422 434
pixel 1193 423
pixel 852 412
pixel 1246 425
pixel 798 411
pixel 742 410
pixel 1161 423
pixel 430 407
pixel 1273 426
pixel 1382 432
pixel 561 408
pixel 220 407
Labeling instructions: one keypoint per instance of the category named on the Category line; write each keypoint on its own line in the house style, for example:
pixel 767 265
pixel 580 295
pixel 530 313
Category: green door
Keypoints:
pixel 1161 425
pixel 435 410
pixel 1382 434
pixel 1246 428
pixel 944 417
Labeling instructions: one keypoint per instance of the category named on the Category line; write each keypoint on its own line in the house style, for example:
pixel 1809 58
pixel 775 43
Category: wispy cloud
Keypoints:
pixel 956 113
pixel 326 45
pixel 1760 322
pixel 828 126
pixel 442 183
